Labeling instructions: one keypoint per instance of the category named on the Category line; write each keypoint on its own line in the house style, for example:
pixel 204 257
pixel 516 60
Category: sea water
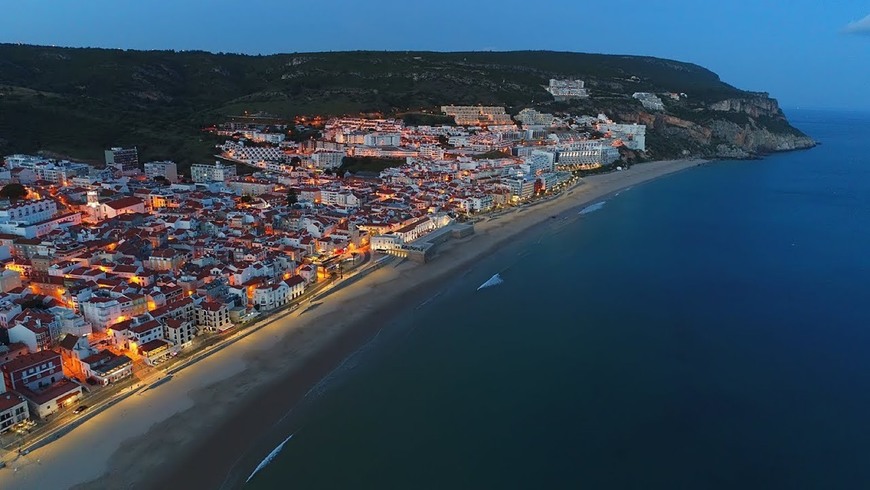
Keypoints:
pixel 705 330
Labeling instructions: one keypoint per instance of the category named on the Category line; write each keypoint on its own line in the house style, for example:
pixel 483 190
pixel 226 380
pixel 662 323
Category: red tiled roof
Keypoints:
pixel 124 202
pixel 28 360
pixel 153 345
pixel 9 400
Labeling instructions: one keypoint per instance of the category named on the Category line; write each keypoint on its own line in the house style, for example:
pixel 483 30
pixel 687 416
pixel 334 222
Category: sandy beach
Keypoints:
pixel 210 425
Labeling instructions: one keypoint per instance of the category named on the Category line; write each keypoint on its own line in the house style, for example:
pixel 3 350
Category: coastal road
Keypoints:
pixel 103 398
pixel 84 452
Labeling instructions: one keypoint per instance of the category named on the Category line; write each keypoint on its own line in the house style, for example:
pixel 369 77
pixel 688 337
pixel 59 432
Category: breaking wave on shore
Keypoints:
pixel 592 207
pixel 268 459
pixel 623 190
pixel 492 281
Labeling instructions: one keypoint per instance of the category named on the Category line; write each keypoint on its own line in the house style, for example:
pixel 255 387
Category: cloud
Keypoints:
pixel 859 27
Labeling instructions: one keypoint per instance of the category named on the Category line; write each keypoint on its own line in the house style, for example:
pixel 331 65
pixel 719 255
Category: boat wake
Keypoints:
pixel 592 208
pixel 492 281
pixel 269 458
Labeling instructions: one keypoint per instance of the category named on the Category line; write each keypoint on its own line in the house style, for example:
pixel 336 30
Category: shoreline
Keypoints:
pixel 222 412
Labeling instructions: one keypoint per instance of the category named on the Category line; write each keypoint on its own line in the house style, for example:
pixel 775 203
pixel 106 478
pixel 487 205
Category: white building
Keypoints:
pixel 382 139
pixel 567 89
pixel 71 322
pixel 117 207
pixel 28 212
pixel 521 188
pixel 271 296
pixel 326 159
pixel 388 241
pixel 589 154
pixel 101 312
pixel 212 173
pixel 167 170
pixel 274 138
pixel 650 101
pixel 13 409
pixel 530 117
pixel 476 204
pixel 541 161
pixel 179 332
pixel 213 317
pixel 60 172
pixel 633 136
pixel 432 152
pixel 146 332
pixel 50 399
pixel 472 115
pixel 415 229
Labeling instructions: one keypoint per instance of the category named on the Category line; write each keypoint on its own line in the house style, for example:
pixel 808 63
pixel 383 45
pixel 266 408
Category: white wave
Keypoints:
pixel 269 458
pixel 592 207
pixel 493 281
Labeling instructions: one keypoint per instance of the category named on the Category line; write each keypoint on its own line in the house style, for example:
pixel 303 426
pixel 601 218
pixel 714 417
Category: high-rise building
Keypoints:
pixel 123 159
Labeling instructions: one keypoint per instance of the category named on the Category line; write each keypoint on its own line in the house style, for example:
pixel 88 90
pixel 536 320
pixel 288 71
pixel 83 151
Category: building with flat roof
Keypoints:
pixel 167 170
pixel 211 173
pixel 122 159
pixel 562 90
pixel 472 115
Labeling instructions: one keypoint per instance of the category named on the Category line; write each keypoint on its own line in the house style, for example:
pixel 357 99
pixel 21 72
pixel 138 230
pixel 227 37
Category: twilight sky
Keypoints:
pixel 807 53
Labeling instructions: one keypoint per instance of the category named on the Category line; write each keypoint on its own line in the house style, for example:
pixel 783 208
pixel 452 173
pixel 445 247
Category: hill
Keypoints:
pixel 78 101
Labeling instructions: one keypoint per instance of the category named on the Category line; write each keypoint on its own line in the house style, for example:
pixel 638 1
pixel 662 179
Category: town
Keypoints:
pixel 113 275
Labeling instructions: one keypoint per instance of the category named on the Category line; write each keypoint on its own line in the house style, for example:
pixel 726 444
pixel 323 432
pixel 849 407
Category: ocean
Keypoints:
pixel 706 330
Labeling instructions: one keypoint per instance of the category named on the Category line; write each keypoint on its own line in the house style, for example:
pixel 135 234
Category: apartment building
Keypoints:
pixel 167 170
pixel 478 115
pixel 213 317
pixel 212 173
pixel 562 90
pixel 122 159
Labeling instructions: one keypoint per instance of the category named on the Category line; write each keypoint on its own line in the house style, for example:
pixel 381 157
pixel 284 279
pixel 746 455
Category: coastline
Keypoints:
pixel 210 420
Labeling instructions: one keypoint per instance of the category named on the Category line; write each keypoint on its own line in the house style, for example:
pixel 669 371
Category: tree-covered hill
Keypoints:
pixel 77 101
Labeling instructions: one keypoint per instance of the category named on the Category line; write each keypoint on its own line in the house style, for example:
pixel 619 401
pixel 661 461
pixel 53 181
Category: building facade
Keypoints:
pixel 212 173
pixel 167 170
pixel 33 371
pixel 13 409
pixel 122 159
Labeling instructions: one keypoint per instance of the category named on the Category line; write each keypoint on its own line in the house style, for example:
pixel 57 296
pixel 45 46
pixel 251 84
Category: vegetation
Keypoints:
pixel 490 154
pixel 78 101
pixel 13 191
pixel 292 197
pixel 427 119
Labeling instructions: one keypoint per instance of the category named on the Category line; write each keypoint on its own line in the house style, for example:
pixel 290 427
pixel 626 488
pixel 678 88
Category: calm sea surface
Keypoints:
pixel 706 330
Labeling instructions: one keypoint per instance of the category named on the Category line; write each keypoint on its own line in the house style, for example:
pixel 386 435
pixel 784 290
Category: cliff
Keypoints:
pixel 76 101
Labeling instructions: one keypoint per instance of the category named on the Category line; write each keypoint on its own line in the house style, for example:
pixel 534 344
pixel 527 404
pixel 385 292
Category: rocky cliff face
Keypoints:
pixel 757 105
pixel 741 127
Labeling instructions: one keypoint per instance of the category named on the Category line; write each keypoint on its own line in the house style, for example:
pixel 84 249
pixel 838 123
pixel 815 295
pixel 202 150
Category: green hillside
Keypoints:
pixel 77 101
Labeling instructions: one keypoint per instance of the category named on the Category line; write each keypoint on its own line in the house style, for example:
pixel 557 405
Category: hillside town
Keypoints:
pixel 111 273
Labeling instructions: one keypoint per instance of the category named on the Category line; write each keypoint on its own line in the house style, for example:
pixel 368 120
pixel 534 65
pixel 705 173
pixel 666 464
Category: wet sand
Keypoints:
pixel 215 420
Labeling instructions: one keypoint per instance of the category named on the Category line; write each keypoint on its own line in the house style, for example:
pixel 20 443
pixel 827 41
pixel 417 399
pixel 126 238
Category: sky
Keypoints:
pixel 806 53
